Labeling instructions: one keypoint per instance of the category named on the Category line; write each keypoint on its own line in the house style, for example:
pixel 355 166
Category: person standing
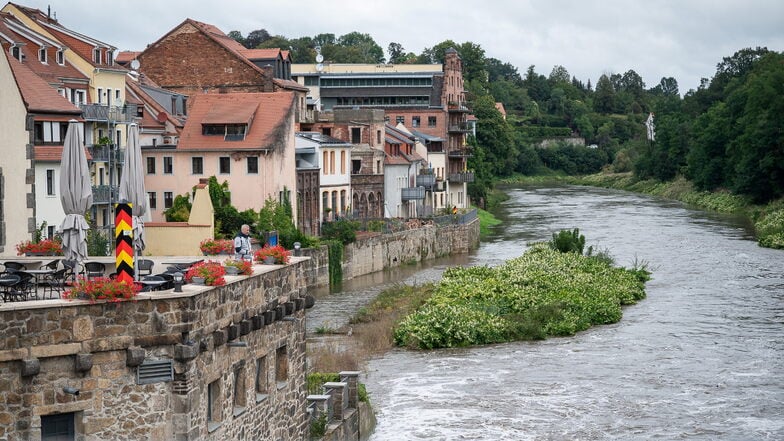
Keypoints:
pixel 242 246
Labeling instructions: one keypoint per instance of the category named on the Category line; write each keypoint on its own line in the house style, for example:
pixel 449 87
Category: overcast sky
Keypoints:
pixel 684 39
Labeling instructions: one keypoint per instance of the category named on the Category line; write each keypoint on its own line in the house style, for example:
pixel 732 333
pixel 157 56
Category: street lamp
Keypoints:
pixel 297 247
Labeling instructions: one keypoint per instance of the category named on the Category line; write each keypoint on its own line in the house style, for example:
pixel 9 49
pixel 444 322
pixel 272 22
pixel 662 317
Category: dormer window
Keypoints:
pixel 109 58
pixel 60 57
pixel 16 52
pixel 42 55
pixel 97 55
pixel 230 132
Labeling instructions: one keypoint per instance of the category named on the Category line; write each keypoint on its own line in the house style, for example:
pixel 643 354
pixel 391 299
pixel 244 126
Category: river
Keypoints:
pixel 699 358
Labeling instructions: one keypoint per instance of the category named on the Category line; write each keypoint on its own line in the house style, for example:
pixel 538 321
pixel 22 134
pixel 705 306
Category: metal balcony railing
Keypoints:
pixel 426 180
pixel 105 194
pixel 459 128
pixel 463 177
pixel 102 112
pixel 454 107
pixel 106 153
pixel 412 193
pixel 464 152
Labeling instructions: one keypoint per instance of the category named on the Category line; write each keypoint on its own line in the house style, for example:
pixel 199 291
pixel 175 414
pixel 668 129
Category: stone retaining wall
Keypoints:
pixel 247 336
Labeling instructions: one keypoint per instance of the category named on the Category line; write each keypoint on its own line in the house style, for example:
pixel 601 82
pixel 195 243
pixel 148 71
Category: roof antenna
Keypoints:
pixel 49 11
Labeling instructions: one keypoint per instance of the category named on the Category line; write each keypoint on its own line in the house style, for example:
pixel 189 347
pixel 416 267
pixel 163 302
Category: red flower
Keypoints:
pixel 281 255
pixel 243 266
pixel 46 246
pixel 216 246
pixel 102 288
pixel 211 271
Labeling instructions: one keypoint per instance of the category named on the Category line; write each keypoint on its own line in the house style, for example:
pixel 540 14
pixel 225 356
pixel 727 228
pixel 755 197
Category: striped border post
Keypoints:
pixel 123 239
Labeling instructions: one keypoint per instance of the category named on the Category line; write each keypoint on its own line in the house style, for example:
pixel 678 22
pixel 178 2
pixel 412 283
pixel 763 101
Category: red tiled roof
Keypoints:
pixel 289 85
pixel 255 54
pixel 126 56
pixel 37 94
pixel 271 113
pixel 237 112
pixel 53 153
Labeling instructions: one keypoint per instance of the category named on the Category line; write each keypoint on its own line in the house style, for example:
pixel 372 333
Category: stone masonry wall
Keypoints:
pixel 252 328
pixel 390 250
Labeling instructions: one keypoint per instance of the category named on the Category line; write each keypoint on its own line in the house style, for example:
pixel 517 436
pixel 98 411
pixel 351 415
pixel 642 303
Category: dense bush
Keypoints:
pixel 542 293
pixel 343 230
pixel 567 241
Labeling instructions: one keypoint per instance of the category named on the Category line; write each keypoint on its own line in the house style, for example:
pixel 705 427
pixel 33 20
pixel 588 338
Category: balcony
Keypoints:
pixel 427 180
pixel 462 177
pixel 465 152
pixel 459 128
pixel 105 194
pixel 106 153
pixel 454 107
pixel 104 113
pixel 412 193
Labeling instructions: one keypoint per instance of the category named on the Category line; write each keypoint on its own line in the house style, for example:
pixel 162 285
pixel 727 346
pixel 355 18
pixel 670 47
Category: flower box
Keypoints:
pixel 102 288
pixel 280 255
pixel 46 247
pixel 211 271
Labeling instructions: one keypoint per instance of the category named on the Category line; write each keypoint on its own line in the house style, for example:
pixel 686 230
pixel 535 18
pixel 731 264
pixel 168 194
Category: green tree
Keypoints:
pixel 180 210
pixel 604 97
pixel 706 159
pixel 359 48
pixel 255 38
pixel 236 36
pixel 396 53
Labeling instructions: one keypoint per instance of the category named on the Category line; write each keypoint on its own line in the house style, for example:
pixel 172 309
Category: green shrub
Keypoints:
pixel 342 230
pixel 97 242
pixel 376 225
pixel 335 253
pixel 567 241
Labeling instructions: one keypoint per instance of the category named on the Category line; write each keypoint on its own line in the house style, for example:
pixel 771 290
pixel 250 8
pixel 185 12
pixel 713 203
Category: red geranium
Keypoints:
pixel 211 271
pixel 102 288
pixel 281 255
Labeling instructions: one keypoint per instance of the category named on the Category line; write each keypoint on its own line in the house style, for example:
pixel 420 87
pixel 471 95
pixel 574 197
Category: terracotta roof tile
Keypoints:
pixel 37 94
pixel 53 153
pixel 124 57
pixel 272 112
pixel 260 54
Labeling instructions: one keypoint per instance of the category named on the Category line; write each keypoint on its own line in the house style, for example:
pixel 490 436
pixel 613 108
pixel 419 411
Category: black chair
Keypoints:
pixel 74 270
pixel 94 269
pixel 51 265
pixel 144 266
pixel 14 266
pixel 169 280
pixel 23 289
pixel 55 282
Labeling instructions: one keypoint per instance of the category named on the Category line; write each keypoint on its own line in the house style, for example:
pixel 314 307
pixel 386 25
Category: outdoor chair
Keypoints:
pixel 145 267
pixel 51 265
pixel 14 266
pixel 22 289
pixel 153 283
pixel 74 270
pixel 55 282
pixel 94 269
pixel 8 285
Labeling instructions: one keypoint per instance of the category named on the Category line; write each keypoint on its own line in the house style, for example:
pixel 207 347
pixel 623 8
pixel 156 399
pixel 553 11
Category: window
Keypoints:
pixel 168 199
pixel 58 427
pixel 168 165
pixel 197 165
pixel 150 165
pixel 325 201
pixel 343 200
pixel 153 200
pixel 224 165
pixel 356 166
pixel 50 182
pixel 400 119
pixel 311 81
pixel 214 403
pixel 60 57
pixel 332 162
pixel 50 231
pixel 431 121
pixel 325 163
pixel 42 55
pixel 281 365
pixel 261 377
pixel 80 97
pixel 335 202
pixel 117 95
pixel 240 395
pixel 97 55
pixel 378 136
pixel 49 132
pixel 109 57
pixel 342 162
pixel 118 135
pixel 100 95
pixel 415 121
pixel 16 52
pixel 356 135
pixel 326 131
pixel 253 165
pixel 378 167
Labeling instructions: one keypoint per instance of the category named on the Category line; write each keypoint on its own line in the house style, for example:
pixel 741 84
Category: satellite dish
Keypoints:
pixel 135 64
pixel 161 117
pixel 319 58
pixel 319 67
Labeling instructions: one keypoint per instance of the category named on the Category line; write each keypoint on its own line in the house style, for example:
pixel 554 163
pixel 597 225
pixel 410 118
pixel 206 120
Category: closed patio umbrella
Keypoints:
pixel 76 193
pixel 132 189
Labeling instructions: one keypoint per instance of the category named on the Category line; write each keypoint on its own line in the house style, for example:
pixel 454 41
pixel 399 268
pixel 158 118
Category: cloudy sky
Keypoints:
pixel 684 39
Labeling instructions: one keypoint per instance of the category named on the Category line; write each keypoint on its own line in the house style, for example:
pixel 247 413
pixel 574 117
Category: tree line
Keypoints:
pixel 728 133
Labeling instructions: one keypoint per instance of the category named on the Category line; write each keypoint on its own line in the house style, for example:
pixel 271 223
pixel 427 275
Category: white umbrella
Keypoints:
pixel 76 193
pixel 132 189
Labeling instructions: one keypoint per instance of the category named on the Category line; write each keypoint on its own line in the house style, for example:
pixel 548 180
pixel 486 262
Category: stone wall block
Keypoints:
pixel 219 337
pixel 258 321
pixel 134 356
pixel 185 352
pixel 30 367
pixel 83 362
pixel 233 331
pixel 245 327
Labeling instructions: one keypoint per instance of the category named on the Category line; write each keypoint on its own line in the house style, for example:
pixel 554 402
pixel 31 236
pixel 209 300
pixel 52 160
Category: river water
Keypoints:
pixel 700 358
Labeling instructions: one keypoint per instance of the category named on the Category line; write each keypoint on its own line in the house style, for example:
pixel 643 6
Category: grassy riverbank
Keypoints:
pixel 768 219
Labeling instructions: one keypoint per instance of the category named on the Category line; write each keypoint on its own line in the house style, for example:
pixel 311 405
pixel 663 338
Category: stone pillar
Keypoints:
pixel 322 404
pixel 352 379
pixel 339 393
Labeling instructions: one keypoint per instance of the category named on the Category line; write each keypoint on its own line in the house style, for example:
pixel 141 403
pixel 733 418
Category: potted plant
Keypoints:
pixel 272 255
pixel 46 247
pixel 102 288
pixel 211 247
pixel 211 271
pixel 240 266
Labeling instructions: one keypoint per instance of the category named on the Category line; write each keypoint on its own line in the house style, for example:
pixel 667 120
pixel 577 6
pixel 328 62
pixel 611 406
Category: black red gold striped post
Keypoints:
pixel 123 236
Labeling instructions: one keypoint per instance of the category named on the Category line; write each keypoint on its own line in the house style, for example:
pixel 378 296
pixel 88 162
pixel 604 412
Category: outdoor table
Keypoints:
pixel 183 266
pixel 25 263
pixel 151 285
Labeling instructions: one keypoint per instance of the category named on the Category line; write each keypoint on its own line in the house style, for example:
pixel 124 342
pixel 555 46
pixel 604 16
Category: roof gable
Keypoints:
pixel 37 94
